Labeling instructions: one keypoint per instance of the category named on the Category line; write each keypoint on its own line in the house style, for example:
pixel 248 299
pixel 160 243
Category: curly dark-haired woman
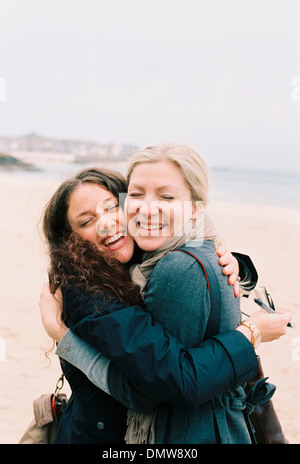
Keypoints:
pixel 90 249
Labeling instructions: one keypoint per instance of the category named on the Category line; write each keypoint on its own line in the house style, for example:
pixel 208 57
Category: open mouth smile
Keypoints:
pixel 150 229
pixel 146 226
pixel 115 242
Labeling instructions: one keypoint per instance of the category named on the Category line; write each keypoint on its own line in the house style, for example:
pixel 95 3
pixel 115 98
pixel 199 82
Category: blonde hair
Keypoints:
pixel 195 173
pixel 191 164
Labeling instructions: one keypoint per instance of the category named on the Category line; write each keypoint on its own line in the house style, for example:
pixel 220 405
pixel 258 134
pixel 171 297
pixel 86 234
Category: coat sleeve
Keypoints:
pixel 104 374
pixel 158 363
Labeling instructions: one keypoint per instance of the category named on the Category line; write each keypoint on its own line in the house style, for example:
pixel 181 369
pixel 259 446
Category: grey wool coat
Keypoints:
pixel 177 297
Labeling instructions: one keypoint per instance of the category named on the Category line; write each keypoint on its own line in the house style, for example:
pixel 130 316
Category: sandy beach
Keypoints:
pixel 269 235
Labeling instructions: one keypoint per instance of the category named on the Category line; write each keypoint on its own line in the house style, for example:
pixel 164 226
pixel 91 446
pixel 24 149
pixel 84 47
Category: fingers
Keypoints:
pixel 233 280
pixel 225 258
pixel 285 318
pixel 46 292
pixel 58 295
pixel 287 315
pixel 272 326
pixel 236 289
pixel 228 259
pixel 288 318
pixel 229 269
pixel 45 289
pixel 221 251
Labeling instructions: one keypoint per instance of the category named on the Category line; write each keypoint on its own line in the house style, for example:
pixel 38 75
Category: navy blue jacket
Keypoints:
pixel 91 415
pixel 152 358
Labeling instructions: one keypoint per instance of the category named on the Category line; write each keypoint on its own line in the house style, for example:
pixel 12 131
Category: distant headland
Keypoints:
pixel 10 163
pixel 33 148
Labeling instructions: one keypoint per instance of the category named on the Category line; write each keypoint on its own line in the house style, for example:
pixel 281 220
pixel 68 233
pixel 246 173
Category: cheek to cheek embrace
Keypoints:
pixel 158 205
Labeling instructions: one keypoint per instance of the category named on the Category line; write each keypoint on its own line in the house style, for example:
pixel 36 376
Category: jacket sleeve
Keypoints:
pixel 158 363
pixel 104 374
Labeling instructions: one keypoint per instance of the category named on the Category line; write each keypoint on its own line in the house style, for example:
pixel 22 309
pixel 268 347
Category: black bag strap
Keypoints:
pixel 213 323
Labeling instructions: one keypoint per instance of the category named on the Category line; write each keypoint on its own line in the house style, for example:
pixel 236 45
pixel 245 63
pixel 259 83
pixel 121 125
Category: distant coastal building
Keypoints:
pixel 78 150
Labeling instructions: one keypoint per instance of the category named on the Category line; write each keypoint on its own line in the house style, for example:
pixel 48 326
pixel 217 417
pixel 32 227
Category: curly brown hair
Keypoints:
pixel 77 263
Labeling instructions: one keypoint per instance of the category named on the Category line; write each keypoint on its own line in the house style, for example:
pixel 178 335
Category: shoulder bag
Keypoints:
pixel 264 427
pixel 47 411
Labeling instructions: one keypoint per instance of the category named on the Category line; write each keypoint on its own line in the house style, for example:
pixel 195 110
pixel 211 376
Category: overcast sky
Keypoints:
pixel 216 74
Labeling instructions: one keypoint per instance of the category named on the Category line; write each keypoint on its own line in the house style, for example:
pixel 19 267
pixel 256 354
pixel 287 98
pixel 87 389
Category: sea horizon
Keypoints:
pixel 254 186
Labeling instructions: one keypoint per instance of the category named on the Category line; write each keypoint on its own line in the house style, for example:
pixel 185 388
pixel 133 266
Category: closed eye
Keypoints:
pixel 167 197
pixel 135 194
pixel 112 207
pixel 85 223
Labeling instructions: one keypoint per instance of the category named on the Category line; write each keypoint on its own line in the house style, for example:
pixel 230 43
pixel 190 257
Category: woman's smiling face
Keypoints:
pixel 158 204
pixel 94 214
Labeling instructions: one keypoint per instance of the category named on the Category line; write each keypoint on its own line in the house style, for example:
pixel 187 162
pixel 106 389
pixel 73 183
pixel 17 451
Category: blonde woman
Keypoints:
pixel 166 209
